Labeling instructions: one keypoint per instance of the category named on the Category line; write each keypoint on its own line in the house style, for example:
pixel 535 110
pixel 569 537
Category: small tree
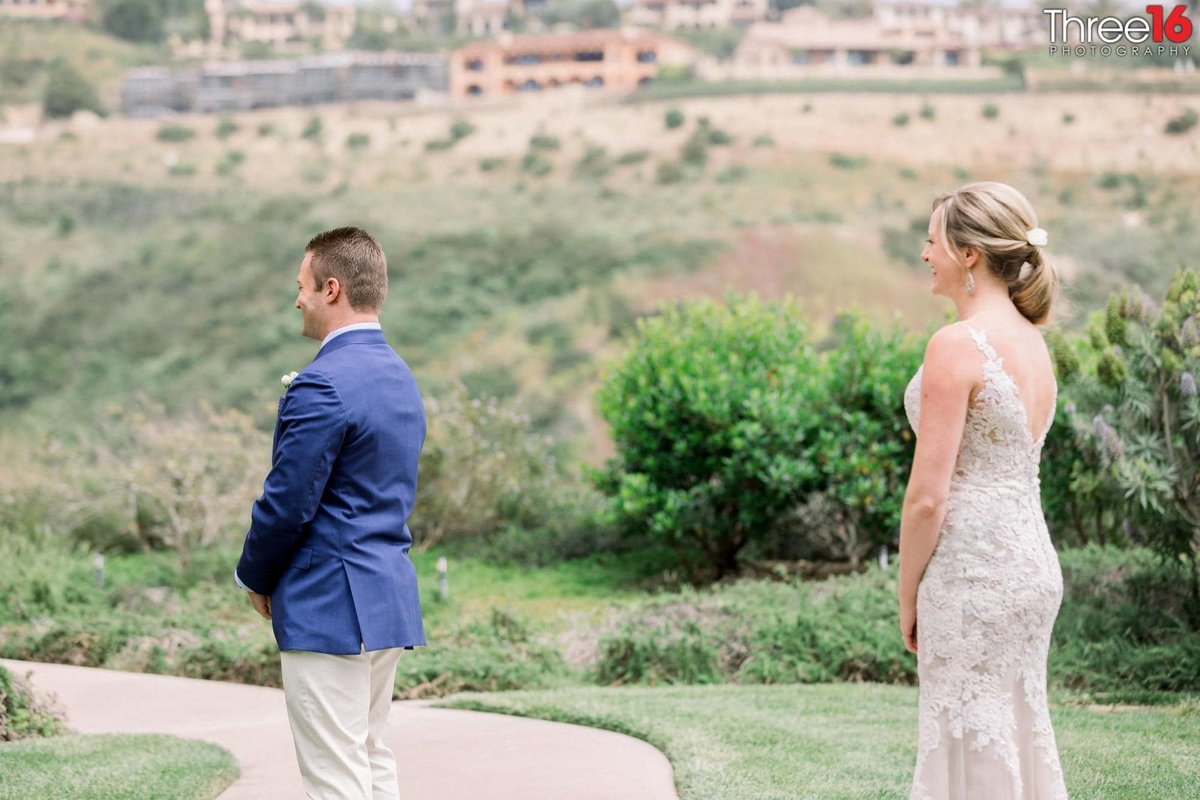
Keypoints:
pixel 712 416
pixel 864 448
pixel 1148 435
pixel 483 469
pixel 67 91
pixel 133 20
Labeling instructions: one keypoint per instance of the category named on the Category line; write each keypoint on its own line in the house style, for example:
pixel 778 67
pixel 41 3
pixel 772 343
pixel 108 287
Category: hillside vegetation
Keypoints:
pixel 157 258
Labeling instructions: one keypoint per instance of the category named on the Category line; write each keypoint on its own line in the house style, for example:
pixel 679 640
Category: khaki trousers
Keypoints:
pixel 338 708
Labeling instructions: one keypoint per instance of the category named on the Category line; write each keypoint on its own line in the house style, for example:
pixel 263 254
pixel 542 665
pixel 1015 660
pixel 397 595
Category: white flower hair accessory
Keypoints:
pixel 1037 237
pixel 287 379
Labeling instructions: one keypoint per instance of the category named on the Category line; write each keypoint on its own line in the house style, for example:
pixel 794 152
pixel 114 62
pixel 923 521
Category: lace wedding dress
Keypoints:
pixel 985 609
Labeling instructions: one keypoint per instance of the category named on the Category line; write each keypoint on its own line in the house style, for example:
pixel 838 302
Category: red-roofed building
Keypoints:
pixel 606 60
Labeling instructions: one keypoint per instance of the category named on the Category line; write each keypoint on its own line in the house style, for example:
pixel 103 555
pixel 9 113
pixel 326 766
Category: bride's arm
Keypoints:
pixel 951 374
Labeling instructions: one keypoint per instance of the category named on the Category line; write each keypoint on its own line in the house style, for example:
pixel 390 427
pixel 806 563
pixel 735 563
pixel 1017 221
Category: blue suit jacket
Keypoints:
pixel 328 539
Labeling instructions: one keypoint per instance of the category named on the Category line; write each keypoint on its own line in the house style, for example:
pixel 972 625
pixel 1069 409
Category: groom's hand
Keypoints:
pixel 261 603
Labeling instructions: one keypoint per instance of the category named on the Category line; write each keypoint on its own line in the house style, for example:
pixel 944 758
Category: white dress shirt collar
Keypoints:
pixel 354 326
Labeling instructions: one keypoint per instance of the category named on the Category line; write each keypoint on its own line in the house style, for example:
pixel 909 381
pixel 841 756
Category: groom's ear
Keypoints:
pixel 333 290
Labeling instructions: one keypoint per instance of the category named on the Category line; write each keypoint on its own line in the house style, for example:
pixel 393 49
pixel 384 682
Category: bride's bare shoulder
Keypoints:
pixel 949 340
pixel 948 353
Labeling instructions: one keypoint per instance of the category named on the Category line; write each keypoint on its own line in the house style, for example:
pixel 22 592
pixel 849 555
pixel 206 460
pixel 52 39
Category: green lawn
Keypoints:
pixel 117 767
pixel 544 593
pixel 853 741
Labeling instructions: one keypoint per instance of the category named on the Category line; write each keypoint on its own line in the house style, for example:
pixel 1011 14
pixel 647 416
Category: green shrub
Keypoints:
pixel 499 654
pixel 461 129
pixel 735 173
pixel 149 482
pixel 266 129
pixel 535 164
pixel 927 111
pixel 674 118
pixel 695 150
pixel 1182 123
pixel 230 162
pixel 234 660
pixel 583 533
pixel 991 111
pixel 175 133
pixel 719 138
pixel 709 410
pixel 358 142
pixel 632 157
pixel 226 127
pixel 1133 414
pixel 764 140
pixel 900 120
pixel 757 632
pixel 1122 634
pixel 483 470
pixel 541 141
pixel 68 91
pixel 679 654
pixel 594 164
pixel 668 172
pixel 312 128
pixel 23 713
pixel 843 161
pixel 491 164
pixel 865 457
pixel 133 20
pixel 1068 118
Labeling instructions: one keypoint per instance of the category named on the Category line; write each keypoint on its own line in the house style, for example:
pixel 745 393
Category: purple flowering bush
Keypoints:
pixel 1126 466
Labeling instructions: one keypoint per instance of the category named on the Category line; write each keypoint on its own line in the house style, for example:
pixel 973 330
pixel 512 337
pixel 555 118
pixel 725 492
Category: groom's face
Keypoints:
pixel 310 300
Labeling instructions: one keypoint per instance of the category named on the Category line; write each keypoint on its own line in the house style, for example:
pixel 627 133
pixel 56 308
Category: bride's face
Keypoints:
pixel 948 277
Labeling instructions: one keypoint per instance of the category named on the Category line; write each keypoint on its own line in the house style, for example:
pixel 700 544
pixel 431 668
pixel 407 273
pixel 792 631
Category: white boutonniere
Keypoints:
pixel 287 379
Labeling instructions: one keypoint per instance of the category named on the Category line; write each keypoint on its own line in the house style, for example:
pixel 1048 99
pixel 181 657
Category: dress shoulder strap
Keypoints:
pixel 981 342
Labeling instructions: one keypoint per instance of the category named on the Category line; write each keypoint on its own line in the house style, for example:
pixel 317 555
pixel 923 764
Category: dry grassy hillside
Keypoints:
pixel 823 197
pixel 1076 132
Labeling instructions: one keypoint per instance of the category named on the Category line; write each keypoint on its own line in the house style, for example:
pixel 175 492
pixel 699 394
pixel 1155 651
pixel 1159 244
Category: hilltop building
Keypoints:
pixel 279 23
pixel 242 85
pixel 471 17
pixel 998 27
pixel 676 14
pixel 77 10
pixel 806 43
pixel 605 60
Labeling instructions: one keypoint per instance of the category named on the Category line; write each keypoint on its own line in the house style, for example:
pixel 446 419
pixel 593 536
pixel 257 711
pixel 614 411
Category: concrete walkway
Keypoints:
pixel 442 754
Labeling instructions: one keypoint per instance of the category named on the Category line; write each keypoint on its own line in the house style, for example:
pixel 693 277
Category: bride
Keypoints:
pixel 980 583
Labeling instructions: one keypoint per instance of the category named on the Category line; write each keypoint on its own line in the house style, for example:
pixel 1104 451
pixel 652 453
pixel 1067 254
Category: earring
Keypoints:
pixel 970 283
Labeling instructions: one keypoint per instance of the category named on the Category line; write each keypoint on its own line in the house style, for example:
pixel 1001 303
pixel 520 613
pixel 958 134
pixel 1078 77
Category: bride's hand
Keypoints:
pixel 908 627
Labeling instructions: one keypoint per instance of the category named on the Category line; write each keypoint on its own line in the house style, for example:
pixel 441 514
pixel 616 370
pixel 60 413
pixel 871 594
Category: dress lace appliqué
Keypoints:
pixel 985 609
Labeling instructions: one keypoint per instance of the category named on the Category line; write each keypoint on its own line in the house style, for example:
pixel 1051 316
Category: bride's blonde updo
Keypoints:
pixel 995 219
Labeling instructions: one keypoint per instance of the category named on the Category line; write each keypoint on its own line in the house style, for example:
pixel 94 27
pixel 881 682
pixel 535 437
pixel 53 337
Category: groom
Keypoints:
pixel 326 556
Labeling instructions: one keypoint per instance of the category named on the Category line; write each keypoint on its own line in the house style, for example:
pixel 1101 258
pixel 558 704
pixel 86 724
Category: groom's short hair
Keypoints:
pixel 356 260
